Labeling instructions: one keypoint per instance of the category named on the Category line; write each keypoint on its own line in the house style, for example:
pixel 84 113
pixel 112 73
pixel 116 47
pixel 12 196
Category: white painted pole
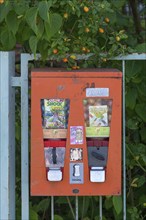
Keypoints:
pixel 7 136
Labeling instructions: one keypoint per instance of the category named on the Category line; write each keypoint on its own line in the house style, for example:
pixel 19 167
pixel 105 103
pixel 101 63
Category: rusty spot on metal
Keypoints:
pixel 89 85
pixel 60 87
pixel 92 85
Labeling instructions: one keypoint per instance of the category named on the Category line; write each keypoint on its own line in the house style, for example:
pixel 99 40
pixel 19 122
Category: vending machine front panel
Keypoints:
pixel 76 130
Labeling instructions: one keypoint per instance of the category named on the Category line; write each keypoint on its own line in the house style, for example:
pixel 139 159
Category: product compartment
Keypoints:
pixel 97 115
pixel 55 114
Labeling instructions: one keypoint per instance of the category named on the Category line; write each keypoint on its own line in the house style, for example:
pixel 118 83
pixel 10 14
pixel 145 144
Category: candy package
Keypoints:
pixel 98 116
pixel 55 113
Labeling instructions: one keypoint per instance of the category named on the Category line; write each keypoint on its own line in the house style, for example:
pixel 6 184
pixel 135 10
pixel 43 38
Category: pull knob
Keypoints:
pixel 97 155
pixel 54 156
pixel 76 171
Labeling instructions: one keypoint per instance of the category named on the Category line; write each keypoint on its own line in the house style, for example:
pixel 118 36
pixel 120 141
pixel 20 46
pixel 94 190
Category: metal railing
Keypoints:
pixel 8 83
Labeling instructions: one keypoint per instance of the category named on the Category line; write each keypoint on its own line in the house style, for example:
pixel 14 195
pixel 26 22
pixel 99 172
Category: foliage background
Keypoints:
pixel 97 30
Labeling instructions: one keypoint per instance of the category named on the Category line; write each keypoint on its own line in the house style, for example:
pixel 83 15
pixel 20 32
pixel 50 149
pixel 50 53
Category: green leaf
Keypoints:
pixel 43 205
pixel 117 202
pixel 142 89
pixel 18 131
pixel 114 47
pixel 132 124
pixel 141 181
pixel 8 39
pixel 43 49
pixel 143 134
pixel 112 17
pixel 142 199
pixel 131 97
pixel 4 10
pixel 20 8
pixel 31 18
pixel 40 28
pixel 141 48
pixel 61 200
pixel 12 22
pixel 121 20
pixel 141 111
pixel 54 25
pixel 133 68
pixel 137 79
pixel 98 218
pixel 26 33
pixel 33 44
pixel 57 217
pixel 108 203
pixel 33 215
pixel 118 4
pixel 144 158
pixel 43 10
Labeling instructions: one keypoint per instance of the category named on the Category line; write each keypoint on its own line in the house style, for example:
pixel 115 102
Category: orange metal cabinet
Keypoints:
pixel 93 90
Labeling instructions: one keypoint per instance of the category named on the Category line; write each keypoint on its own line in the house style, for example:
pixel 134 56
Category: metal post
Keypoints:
pixel 52 207
pixel 100 207
pixel 24 138
pixel 7 136
pixel 124 145
pixel 77 208
pixel 25 58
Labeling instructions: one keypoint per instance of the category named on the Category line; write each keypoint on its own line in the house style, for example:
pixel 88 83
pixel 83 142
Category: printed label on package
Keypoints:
pixel 76 134
pixel 97 92
pixel 98 116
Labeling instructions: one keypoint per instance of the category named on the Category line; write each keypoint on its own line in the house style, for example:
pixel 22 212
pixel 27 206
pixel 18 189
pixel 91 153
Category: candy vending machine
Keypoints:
pixel 76 132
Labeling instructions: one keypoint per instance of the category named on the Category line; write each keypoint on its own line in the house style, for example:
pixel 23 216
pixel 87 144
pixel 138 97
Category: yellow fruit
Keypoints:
pixel 121 31
pixel 101 30
pixel 1 1
pixel 104 59
pixel 87 50
pixel 87 30
pixel 86 9
pixel 73 57
pixel 65 15
pixel 107 20
pixel 55 51
pixel 137 158
pixel 91 101
pixel 74 67
pixel 84 49
pixel 118 38
pixel 65 60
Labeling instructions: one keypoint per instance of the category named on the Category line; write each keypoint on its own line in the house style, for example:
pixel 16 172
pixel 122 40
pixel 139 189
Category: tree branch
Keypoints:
pixel 136 18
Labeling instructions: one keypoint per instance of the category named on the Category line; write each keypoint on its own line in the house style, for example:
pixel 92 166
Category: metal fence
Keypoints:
pixel 8 84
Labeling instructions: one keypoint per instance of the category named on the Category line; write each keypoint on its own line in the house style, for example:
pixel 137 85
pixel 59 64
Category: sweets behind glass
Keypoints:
pixel 55 113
